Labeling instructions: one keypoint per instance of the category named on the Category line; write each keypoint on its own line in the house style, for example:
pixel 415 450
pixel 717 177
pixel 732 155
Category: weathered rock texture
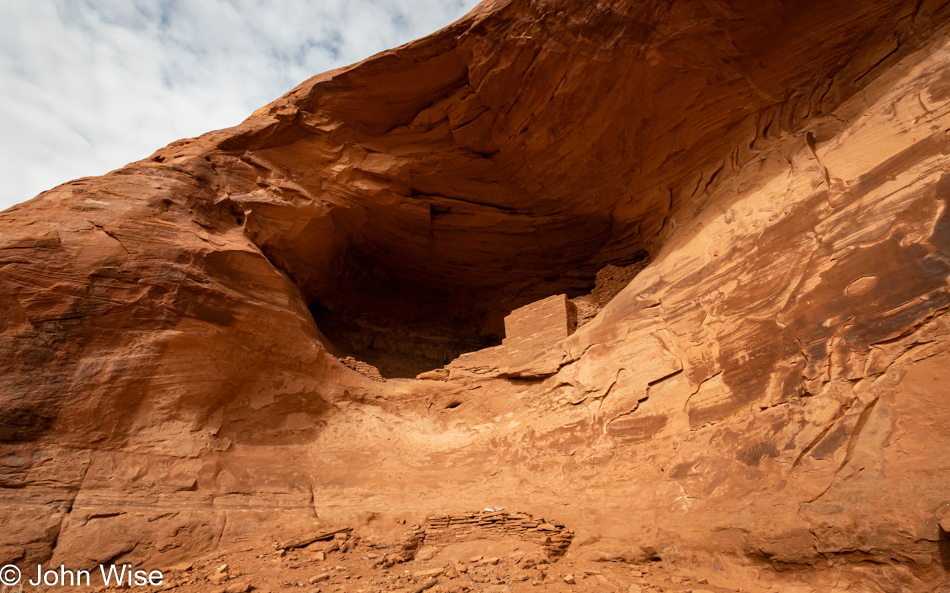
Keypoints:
pixel 765 402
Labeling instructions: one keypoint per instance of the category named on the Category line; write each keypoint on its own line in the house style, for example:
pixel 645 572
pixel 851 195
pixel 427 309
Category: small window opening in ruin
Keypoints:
pixel 317 309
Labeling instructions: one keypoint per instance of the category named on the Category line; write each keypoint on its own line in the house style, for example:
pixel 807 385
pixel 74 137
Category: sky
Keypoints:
pixel 87 86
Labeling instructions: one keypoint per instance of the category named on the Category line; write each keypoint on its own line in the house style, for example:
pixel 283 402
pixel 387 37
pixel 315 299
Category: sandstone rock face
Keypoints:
pixel 764 403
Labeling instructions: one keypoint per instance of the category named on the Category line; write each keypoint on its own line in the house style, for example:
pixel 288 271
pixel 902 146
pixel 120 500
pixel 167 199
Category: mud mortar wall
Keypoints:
pixel 551 537
pixel 554 538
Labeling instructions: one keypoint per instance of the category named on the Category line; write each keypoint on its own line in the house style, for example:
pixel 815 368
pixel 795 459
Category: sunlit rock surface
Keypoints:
pixel 765 403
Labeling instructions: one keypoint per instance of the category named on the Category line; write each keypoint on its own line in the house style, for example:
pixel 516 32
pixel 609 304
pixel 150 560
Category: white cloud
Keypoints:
pixel 90 85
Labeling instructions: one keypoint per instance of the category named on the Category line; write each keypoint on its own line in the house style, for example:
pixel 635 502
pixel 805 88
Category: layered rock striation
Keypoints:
pixel 764 402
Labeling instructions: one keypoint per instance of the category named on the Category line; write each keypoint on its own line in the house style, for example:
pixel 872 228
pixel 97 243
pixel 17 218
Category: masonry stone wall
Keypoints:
pixel 532 331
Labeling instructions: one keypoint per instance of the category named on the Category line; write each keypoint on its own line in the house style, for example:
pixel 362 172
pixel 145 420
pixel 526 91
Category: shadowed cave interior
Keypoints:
pixel 405 326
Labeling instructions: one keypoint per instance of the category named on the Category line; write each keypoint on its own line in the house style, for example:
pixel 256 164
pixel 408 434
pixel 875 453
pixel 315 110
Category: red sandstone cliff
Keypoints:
pixel 766 402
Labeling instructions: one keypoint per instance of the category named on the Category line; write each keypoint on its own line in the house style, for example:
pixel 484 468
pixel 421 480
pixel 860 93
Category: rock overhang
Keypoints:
pixel 436 187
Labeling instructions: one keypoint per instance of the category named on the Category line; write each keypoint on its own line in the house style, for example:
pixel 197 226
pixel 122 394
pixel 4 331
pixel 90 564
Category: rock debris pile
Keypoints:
pixel 552 537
